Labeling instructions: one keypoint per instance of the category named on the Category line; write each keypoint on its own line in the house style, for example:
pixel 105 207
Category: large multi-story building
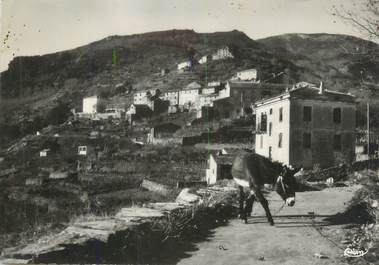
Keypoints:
pixel 306 126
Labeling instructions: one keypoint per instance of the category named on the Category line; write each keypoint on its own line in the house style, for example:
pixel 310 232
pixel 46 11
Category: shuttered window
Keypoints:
pixel 337 142
pixel 307 113
pixel 280 140
pixel 270 128
pixel 337 115
pixel 307 140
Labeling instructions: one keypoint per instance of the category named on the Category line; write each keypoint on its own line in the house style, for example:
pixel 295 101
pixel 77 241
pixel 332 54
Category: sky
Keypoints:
pixel 36 27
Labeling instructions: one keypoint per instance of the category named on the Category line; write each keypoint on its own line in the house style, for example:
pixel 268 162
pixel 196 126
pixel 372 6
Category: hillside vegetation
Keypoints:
pixel 118 66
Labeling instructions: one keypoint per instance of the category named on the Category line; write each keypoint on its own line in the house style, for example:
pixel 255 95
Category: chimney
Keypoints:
pixel 321 89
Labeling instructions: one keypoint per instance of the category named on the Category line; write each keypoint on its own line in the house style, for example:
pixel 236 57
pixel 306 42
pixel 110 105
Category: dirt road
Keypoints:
pixel 293 240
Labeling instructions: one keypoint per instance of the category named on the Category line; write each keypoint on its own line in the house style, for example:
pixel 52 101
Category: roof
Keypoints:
pixel 224 159
pixel 142 108
pixel 193 85
pixel 95 96
pixel 247 70
pixel 166 127
pixel 309 91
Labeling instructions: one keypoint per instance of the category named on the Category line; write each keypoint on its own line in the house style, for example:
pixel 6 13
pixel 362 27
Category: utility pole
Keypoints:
pixel 368 133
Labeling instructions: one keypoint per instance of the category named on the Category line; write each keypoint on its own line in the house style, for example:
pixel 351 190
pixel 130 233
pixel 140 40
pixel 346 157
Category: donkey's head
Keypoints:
pixel 286 185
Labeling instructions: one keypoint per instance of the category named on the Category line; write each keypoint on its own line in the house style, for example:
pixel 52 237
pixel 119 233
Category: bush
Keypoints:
pixel 58 114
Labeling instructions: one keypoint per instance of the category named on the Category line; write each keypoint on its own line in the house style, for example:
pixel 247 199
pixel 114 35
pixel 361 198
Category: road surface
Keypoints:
pixel 295 239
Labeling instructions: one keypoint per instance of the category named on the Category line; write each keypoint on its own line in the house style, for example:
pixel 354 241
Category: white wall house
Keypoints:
pixel 307 126
pixel 203 59
pixel 44 152
pixel 171 96
pixel 90 104
pixel 219 167
pixel 183 66
pixel 190 94
pixel 223 53
pixel 246 75
pixel 140 98
pixel 82 150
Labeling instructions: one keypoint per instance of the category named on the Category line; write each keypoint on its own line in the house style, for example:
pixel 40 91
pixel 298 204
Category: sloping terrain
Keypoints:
pixel 341 61
pixel 118 66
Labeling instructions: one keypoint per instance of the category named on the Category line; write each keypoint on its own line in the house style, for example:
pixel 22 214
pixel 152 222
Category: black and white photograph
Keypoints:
pixel 225 132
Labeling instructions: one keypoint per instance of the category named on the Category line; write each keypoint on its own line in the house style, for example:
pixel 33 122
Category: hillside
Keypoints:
pixel 118 66
pixel 341 61
pixel 33 85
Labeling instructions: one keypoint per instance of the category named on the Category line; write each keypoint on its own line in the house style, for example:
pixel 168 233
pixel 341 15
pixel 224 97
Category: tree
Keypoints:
pixel 363 15
pixel 58 114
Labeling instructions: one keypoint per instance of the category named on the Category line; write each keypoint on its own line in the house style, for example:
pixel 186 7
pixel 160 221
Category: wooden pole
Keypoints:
pixel 368 133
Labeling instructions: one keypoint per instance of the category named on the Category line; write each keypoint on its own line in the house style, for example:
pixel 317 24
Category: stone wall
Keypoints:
pixel 340 172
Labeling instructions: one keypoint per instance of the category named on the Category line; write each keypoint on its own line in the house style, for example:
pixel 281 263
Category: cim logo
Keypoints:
pixel 354 253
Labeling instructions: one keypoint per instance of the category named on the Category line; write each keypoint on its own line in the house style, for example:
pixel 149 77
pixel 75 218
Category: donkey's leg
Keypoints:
pixel 241 200
pixel 264 203
pixel 249 204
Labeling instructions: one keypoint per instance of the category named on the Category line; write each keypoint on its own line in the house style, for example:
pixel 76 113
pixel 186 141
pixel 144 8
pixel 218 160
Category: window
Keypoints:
pixel 337 142
pixel 281 114
pixel 307 113
pixel 280 140
pixel 270 111
pixel 263 125
pixel 261 141
pixel 307 140
pixel 269 128
pixel 270 152
pixel 337 115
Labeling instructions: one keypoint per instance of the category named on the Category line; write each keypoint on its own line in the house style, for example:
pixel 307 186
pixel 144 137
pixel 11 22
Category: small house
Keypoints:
pixel 219 167
pixel 204 59
pixel 163 133
pixel 34 181
pixel 82 150
pixel 57 175
pixel 44 152
pixel 246 75
pixel 90 104
pixel 139 111
pixel 184 66
pixel 171 96
pixel 189 95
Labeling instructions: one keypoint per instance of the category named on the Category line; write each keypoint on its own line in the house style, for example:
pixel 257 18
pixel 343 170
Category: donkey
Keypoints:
pixel 252 171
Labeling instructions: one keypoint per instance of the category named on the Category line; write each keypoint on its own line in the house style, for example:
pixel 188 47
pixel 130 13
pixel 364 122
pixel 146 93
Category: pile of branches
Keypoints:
pixel 214 209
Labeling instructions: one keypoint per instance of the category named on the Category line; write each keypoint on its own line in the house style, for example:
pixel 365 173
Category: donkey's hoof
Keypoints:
pixel 272 223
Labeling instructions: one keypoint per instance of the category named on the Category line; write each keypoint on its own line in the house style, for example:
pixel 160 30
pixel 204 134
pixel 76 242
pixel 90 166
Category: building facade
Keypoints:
pixel 221 54
pixel 172 97
pixel 219 167
pixel 184 66
pixel 90 104
pixel 247 75
pixel 307 126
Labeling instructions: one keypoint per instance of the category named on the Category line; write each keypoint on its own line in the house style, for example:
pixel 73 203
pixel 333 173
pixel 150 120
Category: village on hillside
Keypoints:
pixel 111 153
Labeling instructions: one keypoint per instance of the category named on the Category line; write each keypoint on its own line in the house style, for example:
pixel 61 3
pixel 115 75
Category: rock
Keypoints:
pixel 165 206
pixel 320 256
pixel 186 197
pixel 136 213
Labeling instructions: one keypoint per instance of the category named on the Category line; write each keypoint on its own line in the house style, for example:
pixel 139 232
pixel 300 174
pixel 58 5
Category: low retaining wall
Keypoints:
pixel 340 172
pixel 155 187
pixel 133 235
